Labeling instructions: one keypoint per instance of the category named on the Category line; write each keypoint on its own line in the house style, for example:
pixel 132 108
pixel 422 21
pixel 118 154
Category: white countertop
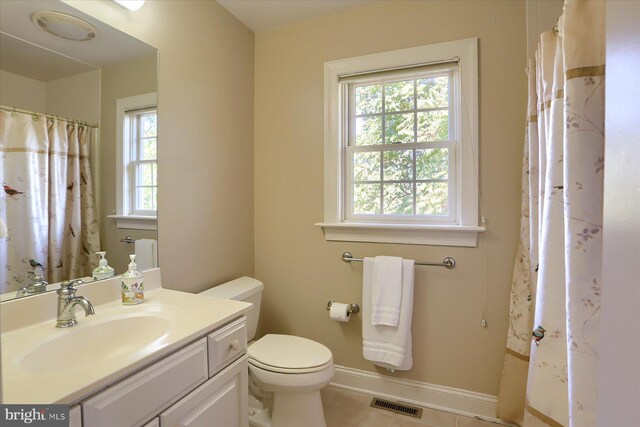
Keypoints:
pixel 190 317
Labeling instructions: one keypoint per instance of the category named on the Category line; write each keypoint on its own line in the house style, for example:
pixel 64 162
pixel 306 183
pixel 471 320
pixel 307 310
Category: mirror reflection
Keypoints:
pixel 78 145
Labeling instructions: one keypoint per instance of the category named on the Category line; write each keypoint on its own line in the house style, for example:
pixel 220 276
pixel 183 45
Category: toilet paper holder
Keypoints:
pixel 353 307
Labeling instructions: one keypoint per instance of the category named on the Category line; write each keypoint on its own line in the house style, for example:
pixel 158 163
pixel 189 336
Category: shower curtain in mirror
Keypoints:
pixel 550 372
pixel 47 202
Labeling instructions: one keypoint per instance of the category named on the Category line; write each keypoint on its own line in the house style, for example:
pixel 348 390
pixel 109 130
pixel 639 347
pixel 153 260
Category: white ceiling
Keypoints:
pixel 27 50
pixel 34 62
pixel 260 15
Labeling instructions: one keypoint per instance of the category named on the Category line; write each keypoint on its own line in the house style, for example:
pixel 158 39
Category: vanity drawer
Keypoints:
pixel 140 397
pixel 226 344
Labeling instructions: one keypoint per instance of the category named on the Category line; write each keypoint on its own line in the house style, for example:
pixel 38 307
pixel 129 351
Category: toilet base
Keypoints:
pixel 260 404
pixel 298 409
pixel 259 417
pixel 292 409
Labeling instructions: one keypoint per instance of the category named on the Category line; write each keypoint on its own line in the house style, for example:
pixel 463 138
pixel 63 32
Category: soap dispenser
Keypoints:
pixel 132 288
pixel 103 271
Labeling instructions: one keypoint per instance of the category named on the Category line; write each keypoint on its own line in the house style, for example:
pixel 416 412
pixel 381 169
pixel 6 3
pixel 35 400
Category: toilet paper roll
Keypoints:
pixel 339 312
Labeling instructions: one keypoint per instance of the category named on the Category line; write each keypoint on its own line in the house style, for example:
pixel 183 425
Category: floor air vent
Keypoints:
pixel 398 408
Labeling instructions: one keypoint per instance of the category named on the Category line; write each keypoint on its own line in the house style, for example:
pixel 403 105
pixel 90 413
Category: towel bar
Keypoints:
pixel 448 262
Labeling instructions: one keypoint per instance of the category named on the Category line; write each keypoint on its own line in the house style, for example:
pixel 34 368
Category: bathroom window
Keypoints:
pixel 137 164
pixel 141 131
pixel 401 146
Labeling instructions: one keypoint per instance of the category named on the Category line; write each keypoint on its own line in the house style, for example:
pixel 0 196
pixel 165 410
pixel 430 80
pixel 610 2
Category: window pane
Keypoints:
pixel 432 163
pixel 155 174
pixel 398 199
pixel 369 131
pixel 368 99
pixel 149 125
pixel 366 166
pixel 398 96
pixel 145 198
pixel 366 199
pixel 432 198
pixel 398 165
pixel 146 174
pixel 399 128
pixel 433 92
pixel 433 126
pixel 149 149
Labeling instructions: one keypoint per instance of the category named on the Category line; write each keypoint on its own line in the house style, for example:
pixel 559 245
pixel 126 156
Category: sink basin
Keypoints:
pixel 89 342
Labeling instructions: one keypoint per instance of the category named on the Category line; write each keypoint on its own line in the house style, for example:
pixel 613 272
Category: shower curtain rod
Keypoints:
pixel 49 116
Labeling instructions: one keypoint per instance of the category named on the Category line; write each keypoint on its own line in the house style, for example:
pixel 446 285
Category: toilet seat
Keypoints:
pixel 279 370
pixel 289 354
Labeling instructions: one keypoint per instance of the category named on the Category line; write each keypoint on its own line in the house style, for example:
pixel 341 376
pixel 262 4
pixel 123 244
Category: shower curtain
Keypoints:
pixel 47 202
pixel 550 372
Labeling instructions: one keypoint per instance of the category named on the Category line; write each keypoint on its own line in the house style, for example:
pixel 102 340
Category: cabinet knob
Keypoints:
pixel 235 345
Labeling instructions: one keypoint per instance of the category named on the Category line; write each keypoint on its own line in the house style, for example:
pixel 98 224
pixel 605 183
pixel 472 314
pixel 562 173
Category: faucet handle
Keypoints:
pixel 35 277
pixel 69 286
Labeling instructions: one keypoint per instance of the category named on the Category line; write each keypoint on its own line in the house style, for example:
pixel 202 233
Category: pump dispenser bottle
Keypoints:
pixel 132 287
pixel 103 271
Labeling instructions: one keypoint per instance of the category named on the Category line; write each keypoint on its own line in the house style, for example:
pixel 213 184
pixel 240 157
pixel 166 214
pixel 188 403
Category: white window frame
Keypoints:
pixel 124 216
pixel 451 145
pixel 463 230
pixel 132 129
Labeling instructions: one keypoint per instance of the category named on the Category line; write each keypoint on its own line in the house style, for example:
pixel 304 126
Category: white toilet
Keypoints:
pixel 286 372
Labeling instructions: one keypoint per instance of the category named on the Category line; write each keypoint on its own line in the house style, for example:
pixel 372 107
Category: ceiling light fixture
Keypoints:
pixel 130 4
pixel 65 26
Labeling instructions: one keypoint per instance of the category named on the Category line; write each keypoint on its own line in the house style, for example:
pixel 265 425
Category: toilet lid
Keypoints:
pixel 289 352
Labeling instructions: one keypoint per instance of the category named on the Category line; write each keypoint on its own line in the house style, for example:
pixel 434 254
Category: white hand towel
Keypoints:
pixel 146 254
pixel 387 346
pixel 386 290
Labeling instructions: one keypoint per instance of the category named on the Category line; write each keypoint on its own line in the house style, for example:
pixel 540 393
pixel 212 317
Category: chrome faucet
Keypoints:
pixel 67 301
pixel 37 285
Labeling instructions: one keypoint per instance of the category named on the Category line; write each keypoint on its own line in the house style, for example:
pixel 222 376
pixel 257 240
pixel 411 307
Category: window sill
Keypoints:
pixel 410 234
pixel 135 222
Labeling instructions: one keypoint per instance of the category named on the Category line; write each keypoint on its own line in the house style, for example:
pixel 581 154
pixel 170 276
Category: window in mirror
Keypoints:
pixel 142 144
pixel 137 165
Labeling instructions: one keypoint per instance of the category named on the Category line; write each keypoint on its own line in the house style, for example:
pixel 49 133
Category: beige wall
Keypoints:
pixel 21 92
pixel 205 98
pixel 302 271
pixel 76 97
pixel 119 81
pixel 542 15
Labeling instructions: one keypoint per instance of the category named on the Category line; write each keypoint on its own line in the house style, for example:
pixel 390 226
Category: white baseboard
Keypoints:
pixel 462 402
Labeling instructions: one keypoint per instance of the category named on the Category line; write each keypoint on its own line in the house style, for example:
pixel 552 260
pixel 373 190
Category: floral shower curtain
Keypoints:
pixel 550 372
pixel 48 203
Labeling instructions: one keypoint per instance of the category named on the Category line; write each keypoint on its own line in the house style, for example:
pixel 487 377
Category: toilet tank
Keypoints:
pixel 245 289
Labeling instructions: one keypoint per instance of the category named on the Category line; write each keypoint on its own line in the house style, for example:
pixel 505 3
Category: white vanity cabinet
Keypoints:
pixel 193 386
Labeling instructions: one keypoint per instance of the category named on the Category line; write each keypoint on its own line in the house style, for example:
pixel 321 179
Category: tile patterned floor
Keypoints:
pixel 343 408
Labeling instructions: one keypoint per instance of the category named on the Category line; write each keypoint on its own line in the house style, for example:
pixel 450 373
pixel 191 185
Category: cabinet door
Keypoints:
pixel 220 402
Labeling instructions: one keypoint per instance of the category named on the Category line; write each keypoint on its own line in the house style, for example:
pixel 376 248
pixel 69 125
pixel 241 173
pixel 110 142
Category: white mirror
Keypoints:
pixel 77 154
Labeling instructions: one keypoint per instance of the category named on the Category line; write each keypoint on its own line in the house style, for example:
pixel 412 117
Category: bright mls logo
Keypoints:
pixel 35 415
